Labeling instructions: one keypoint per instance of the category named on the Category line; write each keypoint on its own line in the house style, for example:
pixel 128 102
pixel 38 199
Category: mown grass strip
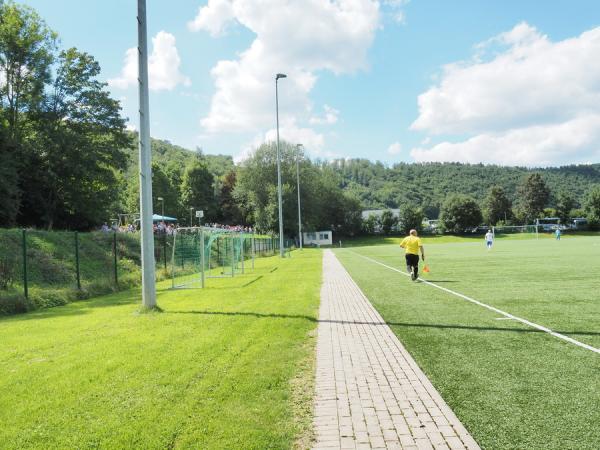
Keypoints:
pixel 221 367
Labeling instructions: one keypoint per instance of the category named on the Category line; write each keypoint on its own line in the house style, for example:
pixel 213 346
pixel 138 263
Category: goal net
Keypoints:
pixel 203 252
pixel 515 229
pixel 188 257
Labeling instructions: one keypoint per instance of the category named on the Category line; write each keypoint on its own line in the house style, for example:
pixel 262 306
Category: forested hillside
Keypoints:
pixel 429 184
pixel 183 178
pixel 67 161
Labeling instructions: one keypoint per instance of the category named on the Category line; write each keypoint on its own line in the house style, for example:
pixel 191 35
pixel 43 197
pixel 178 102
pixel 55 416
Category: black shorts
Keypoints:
pixel 412 260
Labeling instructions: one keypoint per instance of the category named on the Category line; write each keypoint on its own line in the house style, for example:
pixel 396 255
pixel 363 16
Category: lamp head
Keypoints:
pixel 280 75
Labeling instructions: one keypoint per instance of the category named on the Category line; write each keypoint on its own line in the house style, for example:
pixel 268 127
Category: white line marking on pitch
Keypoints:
pixel 491 308
pixel 503 318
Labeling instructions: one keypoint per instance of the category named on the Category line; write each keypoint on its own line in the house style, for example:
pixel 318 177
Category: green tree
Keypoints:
pixel 592 207
pixel 81 137
pixel 533 197
pixel 27 48
pixel 459 213
pixel 388 221
pixel 496 206
pixel 565 203
pixel 197 189
pixel 411 217
pixel 9 191
pixel 369 224
pixel 229 210
pixel 161 187
pixel 324 205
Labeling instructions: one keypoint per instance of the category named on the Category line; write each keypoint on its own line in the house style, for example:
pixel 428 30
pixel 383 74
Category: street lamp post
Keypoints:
pixel 162 204
pixel 164 230
pixel 280 201
pixel 298 181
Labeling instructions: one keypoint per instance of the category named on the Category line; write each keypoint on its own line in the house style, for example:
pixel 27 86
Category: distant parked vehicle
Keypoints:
pixel 548 223
pixel 579 223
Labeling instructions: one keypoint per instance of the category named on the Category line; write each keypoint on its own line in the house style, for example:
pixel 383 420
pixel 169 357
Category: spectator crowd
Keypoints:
pixel 170 228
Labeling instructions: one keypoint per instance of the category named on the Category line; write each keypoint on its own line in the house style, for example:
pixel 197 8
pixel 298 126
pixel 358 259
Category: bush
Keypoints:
pixel 388 221
pixel 15 303
pixel 8 264
pixel 592 207
pixel 460 213
pixel 411 217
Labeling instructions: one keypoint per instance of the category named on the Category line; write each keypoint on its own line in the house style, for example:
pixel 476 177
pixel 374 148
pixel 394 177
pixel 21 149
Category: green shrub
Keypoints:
pixel 8 264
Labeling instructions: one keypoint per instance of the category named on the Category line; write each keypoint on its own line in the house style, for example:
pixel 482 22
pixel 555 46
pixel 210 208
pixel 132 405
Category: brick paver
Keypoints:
pixel 370 393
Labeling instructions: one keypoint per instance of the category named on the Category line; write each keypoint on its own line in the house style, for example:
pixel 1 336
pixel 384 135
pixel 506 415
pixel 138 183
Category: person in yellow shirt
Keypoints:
pixel 412 244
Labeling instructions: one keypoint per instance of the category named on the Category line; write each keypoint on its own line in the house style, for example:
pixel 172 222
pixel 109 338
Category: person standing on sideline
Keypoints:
pixel 489 239
pixel 412 244
pixel 557 233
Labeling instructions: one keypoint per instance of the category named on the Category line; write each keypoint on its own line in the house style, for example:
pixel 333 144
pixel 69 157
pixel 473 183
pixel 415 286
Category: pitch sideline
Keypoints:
pixel 491 308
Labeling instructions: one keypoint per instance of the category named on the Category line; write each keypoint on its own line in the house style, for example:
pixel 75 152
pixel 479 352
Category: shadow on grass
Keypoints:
pixel 247 314
pixel 78 307
pixel 358 322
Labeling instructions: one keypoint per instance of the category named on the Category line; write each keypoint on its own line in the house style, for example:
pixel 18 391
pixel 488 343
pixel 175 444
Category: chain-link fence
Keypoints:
pixel 200 253
pixel 43 269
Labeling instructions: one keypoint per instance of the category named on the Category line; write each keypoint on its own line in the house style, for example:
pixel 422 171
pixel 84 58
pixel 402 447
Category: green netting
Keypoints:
pixel 513 229
pixel 203 253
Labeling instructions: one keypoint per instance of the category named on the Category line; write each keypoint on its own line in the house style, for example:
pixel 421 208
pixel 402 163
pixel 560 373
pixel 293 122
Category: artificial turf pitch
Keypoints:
pixel 512 386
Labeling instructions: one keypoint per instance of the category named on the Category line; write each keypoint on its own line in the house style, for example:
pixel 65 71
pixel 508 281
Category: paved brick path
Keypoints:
pixel 370 392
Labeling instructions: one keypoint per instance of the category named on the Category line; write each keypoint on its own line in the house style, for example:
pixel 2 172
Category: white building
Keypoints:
pixel 317 238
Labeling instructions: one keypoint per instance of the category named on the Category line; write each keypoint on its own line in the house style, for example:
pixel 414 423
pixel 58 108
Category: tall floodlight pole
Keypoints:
pixel 281 249
pixel 298 181
pixel 162 206
pixel 148 287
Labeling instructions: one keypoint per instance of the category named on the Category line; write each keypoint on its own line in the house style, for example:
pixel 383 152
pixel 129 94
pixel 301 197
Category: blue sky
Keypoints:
pixel 507 82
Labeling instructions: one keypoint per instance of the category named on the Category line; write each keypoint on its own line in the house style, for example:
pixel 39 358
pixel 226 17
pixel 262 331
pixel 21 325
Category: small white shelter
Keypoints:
pixel 317 238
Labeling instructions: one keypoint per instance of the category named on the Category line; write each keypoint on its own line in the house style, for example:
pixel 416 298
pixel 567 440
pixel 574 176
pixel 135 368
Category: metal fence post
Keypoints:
pixel 202 256
pixel 25 287
pixel 173 262
pixel 77 260
pixel 243 243
pixel 253 251
pixel 165 250
pixel 219 252
pixel 115 258
pixel 232 256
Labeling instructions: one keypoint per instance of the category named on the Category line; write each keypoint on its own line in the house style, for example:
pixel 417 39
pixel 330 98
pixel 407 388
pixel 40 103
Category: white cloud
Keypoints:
pixel 213 17
pixel 395 148
pixel 163 66
pixel 312 141
pixel 299 38
pixel 523 99
pixel 330 116
pixel 571 142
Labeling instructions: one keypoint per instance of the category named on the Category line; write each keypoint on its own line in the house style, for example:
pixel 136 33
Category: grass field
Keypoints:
pixel 230 366
pixel 366 241
pixel 512 386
